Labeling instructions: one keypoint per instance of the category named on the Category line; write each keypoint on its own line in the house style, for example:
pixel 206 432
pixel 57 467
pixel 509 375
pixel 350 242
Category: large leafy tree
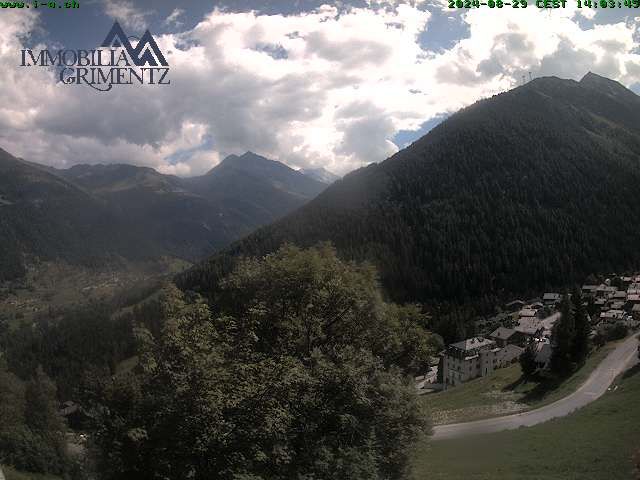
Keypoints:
pixel 296 372
pixel 32 434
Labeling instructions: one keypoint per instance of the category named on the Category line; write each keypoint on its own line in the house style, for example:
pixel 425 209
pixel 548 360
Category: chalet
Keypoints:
pixel 530 328
pixel 529 312
pixel 509 354
pixel 505 336
pixel 616 305
pixel 605 291
pixel 468 359
pixel 620 296
pixel 551 299
pixel 612 316
pixel 589 290
pixel 633 299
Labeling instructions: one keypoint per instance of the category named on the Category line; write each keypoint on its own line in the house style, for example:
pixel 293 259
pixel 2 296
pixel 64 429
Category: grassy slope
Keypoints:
pixel 11 474
pixel 595 443
pixel 503 393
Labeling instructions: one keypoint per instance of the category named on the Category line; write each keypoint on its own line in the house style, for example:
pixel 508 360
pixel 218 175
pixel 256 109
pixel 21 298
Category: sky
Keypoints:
pixel 313 84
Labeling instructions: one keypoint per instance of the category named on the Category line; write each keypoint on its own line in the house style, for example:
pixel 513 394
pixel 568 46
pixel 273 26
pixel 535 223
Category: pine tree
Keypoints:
pixel 580 348
pixel 563 336
pixel 528 361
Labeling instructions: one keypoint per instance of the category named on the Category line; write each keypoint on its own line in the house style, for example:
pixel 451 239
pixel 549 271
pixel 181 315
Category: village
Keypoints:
pixel 613 309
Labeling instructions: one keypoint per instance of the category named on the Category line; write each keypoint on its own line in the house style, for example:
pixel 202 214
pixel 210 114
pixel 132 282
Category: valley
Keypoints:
pixel 49 288
pixel 273 320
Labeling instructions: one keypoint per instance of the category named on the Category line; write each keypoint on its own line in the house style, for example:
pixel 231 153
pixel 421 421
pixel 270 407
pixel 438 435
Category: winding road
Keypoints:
pixel 619 360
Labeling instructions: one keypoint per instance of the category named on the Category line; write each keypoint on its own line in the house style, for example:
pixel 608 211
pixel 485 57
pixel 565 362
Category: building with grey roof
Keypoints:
pixel 468 359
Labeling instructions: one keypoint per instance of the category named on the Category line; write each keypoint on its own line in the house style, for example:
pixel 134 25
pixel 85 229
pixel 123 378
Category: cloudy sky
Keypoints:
pixel 310 83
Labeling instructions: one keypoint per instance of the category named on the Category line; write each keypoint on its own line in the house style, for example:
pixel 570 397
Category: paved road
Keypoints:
pixel 623 357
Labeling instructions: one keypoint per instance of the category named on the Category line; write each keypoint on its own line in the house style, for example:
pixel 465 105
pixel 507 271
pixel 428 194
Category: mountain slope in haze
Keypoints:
pixel 259 189
pixel 321 174
pixel 180 223
pixel 46 216
pixel 534 187
pixel 192 217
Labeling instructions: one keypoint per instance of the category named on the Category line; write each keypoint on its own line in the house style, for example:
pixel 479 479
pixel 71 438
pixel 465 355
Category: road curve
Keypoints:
pixel 624 356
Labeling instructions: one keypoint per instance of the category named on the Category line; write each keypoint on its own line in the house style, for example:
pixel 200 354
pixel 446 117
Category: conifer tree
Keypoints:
pixel 563 336
pixel 528 361
pixel 580 348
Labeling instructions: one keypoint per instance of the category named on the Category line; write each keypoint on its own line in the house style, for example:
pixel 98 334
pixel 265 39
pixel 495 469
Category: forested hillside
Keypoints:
pixel 535 187
pixel 193 217
pixel 300 370
pixel 46 216
pixel 90 213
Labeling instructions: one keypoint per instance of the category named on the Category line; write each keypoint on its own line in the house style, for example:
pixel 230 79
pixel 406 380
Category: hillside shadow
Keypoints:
pixel 541 386
pixel 515 384
pixel 542 389
pixel 632 371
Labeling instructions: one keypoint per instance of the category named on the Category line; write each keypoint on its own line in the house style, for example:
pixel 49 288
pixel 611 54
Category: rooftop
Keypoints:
pixel 529 325
pixel 551 296
pixel 473 343
pixel 502 333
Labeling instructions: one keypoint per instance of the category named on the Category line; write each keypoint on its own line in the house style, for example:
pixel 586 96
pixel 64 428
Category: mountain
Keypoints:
pixel 178 221
pixel 321 174
pixel 261 190
pixel 96 210
pixel 192 217
pixel 47 216
pixel 535 187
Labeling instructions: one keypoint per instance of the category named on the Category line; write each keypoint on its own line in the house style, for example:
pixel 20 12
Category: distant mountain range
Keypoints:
pixel 538 186
pixel 89 212
pixel 321 174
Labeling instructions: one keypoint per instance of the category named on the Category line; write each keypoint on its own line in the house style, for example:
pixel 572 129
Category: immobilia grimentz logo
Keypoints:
pixel 116 62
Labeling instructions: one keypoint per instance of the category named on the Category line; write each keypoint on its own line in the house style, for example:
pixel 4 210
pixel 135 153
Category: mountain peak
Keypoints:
pixel 604 84
pixel 591 77
pixel 246 158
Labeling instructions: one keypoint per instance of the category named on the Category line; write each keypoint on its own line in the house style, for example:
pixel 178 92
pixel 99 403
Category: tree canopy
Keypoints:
pixel 296 371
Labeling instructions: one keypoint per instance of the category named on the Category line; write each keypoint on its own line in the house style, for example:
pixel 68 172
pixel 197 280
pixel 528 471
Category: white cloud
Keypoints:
pixel 126 13
pixel 172 19
pixel 322 88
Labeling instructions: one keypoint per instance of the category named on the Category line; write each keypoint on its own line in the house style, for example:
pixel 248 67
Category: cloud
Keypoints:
pixel 172 19
pixel 127 14
pixel 329 87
